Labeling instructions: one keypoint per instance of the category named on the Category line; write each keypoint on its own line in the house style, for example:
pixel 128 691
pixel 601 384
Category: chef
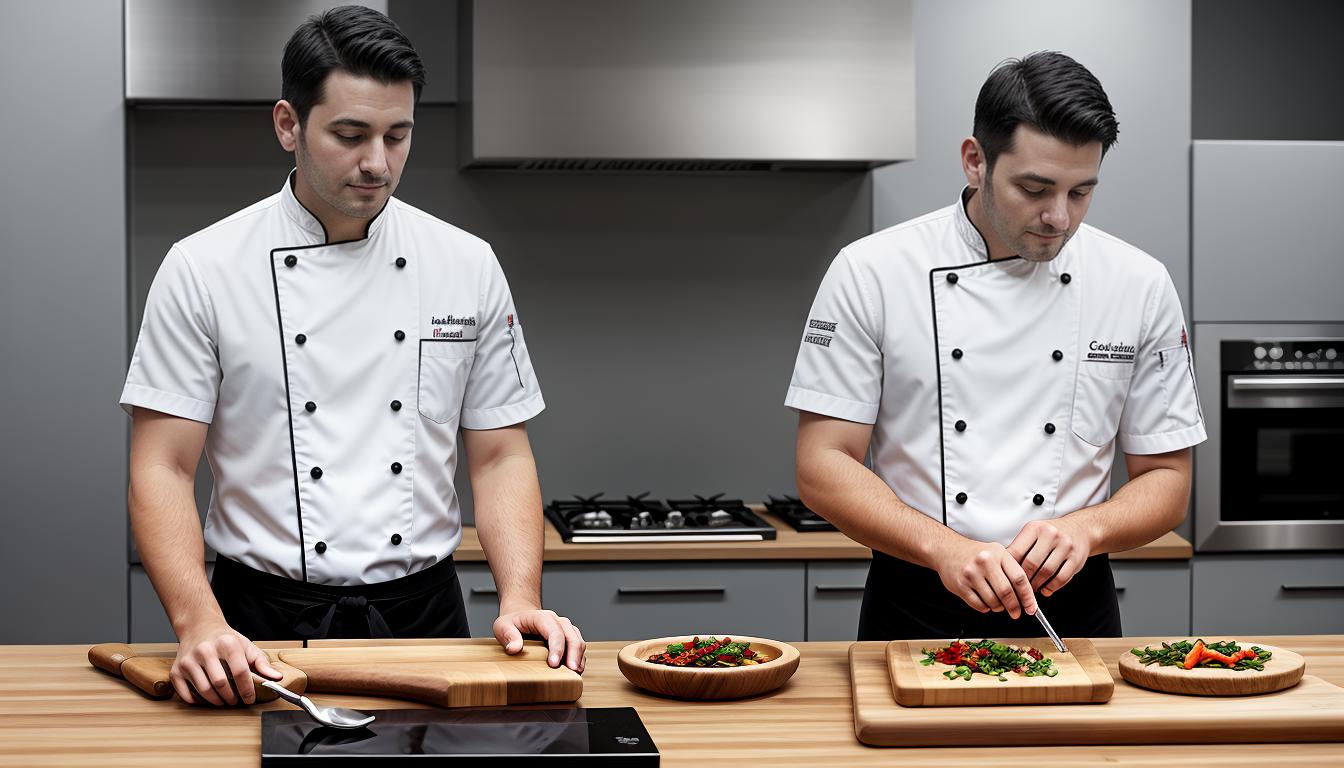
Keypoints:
pixel 989 356
pixel 326 346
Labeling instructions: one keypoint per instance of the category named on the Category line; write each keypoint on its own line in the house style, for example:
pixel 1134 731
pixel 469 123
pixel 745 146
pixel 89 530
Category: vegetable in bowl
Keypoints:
pixel 709 652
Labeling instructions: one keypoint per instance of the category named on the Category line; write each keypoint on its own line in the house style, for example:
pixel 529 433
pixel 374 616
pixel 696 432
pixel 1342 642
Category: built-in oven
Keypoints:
pixel 1271 476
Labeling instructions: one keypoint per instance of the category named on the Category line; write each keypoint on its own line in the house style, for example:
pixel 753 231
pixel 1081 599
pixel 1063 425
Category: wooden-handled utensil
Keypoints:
pixel 150 672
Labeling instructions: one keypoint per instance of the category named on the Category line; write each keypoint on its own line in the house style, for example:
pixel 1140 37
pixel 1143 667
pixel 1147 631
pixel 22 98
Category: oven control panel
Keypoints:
pixel 1302 355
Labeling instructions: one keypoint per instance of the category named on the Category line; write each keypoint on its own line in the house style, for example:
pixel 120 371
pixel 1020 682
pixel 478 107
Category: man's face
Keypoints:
pixel 1037 194
pixel 352 149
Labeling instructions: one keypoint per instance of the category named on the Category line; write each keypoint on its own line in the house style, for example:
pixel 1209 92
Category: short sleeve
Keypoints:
pixel 502 388
pixel 175 366
pixel 838 372
pixel 1162 412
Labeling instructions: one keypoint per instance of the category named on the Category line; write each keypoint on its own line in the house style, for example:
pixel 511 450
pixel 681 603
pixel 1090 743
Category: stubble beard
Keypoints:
pixel 1017 241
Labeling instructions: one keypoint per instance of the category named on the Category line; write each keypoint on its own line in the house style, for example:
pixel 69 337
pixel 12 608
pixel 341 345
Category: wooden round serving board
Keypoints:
pixel 708 682
pixel 1284 670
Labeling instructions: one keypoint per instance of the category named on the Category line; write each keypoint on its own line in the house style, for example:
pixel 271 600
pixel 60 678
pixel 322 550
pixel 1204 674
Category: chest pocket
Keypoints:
pixel 444 368
pixel 1098 400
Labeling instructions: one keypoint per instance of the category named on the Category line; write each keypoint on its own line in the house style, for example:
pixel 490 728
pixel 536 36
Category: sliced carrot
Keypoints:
pixel 1192 658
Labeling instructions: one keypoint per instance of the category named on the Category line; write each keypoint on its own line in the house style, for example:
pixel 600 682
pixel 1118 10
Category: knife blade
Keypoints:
pixel 1049 630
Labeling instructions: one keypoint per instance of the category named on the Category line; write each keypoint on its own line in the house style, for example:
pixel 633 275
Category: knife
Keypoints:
pixel 1049 630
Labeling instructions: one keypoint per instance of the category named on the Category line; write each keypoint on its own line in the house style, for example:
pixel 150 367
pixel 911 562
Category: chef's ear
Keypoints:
pixel 287 127
pixel 973 163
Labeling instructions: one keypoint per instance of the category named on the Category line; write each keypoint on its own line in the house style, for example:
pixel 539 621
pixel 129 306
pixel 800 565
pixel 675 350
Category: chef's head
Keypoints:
pixel 1042 125
pixel 350 83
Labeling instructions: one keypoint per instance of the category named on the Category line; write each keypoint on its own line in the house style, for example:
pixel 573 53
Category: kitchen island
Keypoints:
pixel 56 710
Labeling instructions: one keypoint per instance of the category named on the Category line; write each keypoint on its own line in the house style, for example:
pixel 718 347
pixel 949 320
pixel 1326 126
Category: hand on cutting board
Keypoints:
pixel 987 577
pixel 1051 552
pixel 208 655
pixel 563 639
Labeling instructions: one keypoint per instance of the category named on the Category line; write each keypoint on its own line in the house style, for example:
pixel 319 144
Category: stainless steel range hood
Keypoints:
pixel 700 85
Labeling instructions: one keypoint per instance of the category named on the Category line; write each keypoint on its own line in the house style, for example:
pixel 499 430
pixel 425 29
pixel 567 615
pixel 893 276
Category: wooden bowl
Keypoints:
pixel 708 682
pixel 1283 670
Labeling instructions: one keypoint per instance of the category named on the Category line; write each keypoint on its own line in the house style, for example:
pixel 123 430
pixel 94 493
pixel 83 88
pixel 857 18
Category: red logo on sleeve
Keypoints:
pixel 510 321
pixel 1184 343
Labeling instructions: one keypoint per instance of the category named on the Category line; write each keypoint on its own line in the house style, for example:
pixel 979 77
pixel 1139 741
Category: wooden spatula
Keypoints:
pixel 150 673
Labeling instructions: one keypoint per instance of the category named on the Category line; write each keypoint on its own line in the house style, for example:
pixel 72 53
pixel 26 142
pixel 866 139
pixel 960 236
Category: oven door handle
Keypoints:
pixel 1285 391
pixel 1248 383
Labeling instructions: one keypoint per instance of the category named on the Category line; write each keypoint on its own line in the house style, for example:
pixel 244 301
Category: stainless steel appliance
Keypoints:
pixel 595 520
pixel 1273 401
pixel 693 85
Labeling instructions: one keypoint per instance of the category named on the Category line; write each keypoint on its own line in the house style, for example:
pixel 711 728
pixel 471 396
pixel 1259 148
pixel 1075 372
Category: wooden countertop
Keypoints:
pixel 56 710
pixel 788 545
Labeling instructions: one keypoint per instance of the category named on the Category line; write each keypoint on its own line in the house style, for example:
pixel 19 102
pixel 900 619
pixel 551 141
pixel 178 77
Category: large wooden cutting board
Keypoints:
pixel 1082 677
pixel 1313 710
pixel 444 675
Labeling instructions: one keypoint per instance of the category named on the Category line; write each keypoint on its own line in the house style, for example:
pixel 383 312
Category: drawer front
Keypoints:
pixel 834 596
pixel 480 597
pixel 635 601
pixel 1268 594
pixel 1154 596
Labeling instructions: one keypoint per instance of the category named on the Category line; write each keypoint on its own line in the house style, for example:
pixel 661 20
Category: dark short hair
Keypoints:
pixel 352 38
pixel 1048 91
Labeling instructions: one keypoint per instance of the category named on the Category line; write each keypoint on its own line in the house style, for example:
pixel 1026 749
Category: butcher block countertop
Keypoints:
pixel 789 545
pixel 56 710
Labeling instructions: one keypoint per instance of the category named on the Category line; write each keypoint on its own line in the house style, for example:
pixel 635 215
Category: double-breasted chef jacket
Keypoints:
pixel 998 390
pixel 334 378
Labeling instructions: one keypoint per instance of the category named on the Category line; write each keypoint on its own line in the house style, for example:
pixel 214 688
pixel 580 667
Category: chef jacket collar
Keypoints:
pixel 309 223
pixel 976 242
pixel 965 229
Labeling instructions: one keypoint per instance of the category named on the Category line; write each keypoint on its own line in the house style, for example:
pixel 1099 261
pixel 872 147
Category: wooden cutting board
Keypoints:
pixel 1082 677
pixel 1283 670
pixel 444 675
pixel 1313 710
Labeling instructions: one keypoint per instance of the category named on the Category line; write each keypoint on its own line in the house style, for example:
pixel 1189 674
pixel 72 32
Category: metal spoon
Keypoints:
pixel 333 717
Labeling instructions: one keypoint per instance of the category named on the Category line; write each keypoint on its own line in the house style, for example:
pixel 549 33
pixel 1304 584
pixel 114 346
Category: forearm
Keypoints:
pixel 168 535
pixel 1143 509
pixel 853 498
pixel 509 523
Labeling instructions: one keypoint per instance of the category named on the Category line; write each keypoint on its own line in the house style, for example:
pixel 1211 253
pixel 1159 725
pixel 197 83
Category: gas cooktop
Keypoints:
pixel 793 511
pixel 594 519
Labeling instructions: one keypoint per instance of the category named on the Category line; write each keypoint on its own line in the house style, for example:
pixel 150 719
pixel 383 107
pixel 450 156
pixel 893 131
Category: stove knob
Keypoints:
pixel 1330 354
pixel 1275 353
pixel 1298 354
pixel 1260 353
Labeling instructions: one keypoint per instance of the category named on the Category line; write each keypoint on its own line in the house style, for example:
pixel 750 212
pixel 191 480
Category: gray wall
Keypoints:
pixel 62 302
pixel 1138 49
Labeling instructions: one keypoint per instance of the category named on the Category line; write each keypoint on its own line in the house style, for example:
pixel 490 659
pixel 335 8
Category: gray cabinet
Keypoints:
pixel 480 597
pixel 1268 594
pixel 1154 596
pixel 834 596
pixel 632 601
pixel 1266 245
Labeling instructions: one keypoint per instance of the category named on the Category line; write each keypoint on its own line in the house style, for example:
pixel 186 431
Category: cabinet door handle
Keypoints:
pixel 484 591
pixel 670 590
pixel 1119 590
pixel 840 587
pixel 1311 587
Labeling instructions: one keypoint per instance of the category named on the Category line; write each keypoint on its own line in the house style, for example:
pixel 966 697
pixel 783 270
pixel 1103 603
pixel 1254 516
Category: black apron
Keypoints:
pixel 904 601
pixel 263 606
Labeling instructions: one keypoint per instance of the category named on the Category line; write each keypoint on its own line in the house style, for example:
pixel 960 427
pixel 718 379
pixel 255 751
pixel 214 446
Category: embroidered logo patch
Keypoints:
pixel 1110 352
pixel 450 326
pixel 820 339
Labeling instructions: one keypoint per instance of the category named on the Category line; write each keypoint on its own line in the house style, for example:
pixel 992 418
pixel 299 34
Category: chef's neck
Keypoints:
pixel 976 213
pixel 338 227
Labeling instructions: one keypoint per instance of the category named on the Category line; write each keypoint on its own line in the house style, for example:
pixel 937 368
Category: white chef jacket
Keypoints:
pixel 997 389
pixel 334 378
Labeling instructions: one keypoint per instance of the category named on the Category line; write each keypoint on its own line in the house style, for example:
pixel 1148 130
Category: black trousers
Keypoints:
pixel 904 601
pixel 263 606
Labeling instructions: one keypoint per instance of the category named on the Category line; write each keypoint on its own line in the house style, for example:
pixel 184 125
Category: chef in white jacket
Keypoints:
pixel 326 347
pixel 990 356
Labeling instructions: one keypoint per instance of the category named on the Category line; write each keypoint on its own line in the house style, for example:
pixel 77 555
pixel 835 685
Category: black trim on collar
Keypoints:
pixel 326 237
